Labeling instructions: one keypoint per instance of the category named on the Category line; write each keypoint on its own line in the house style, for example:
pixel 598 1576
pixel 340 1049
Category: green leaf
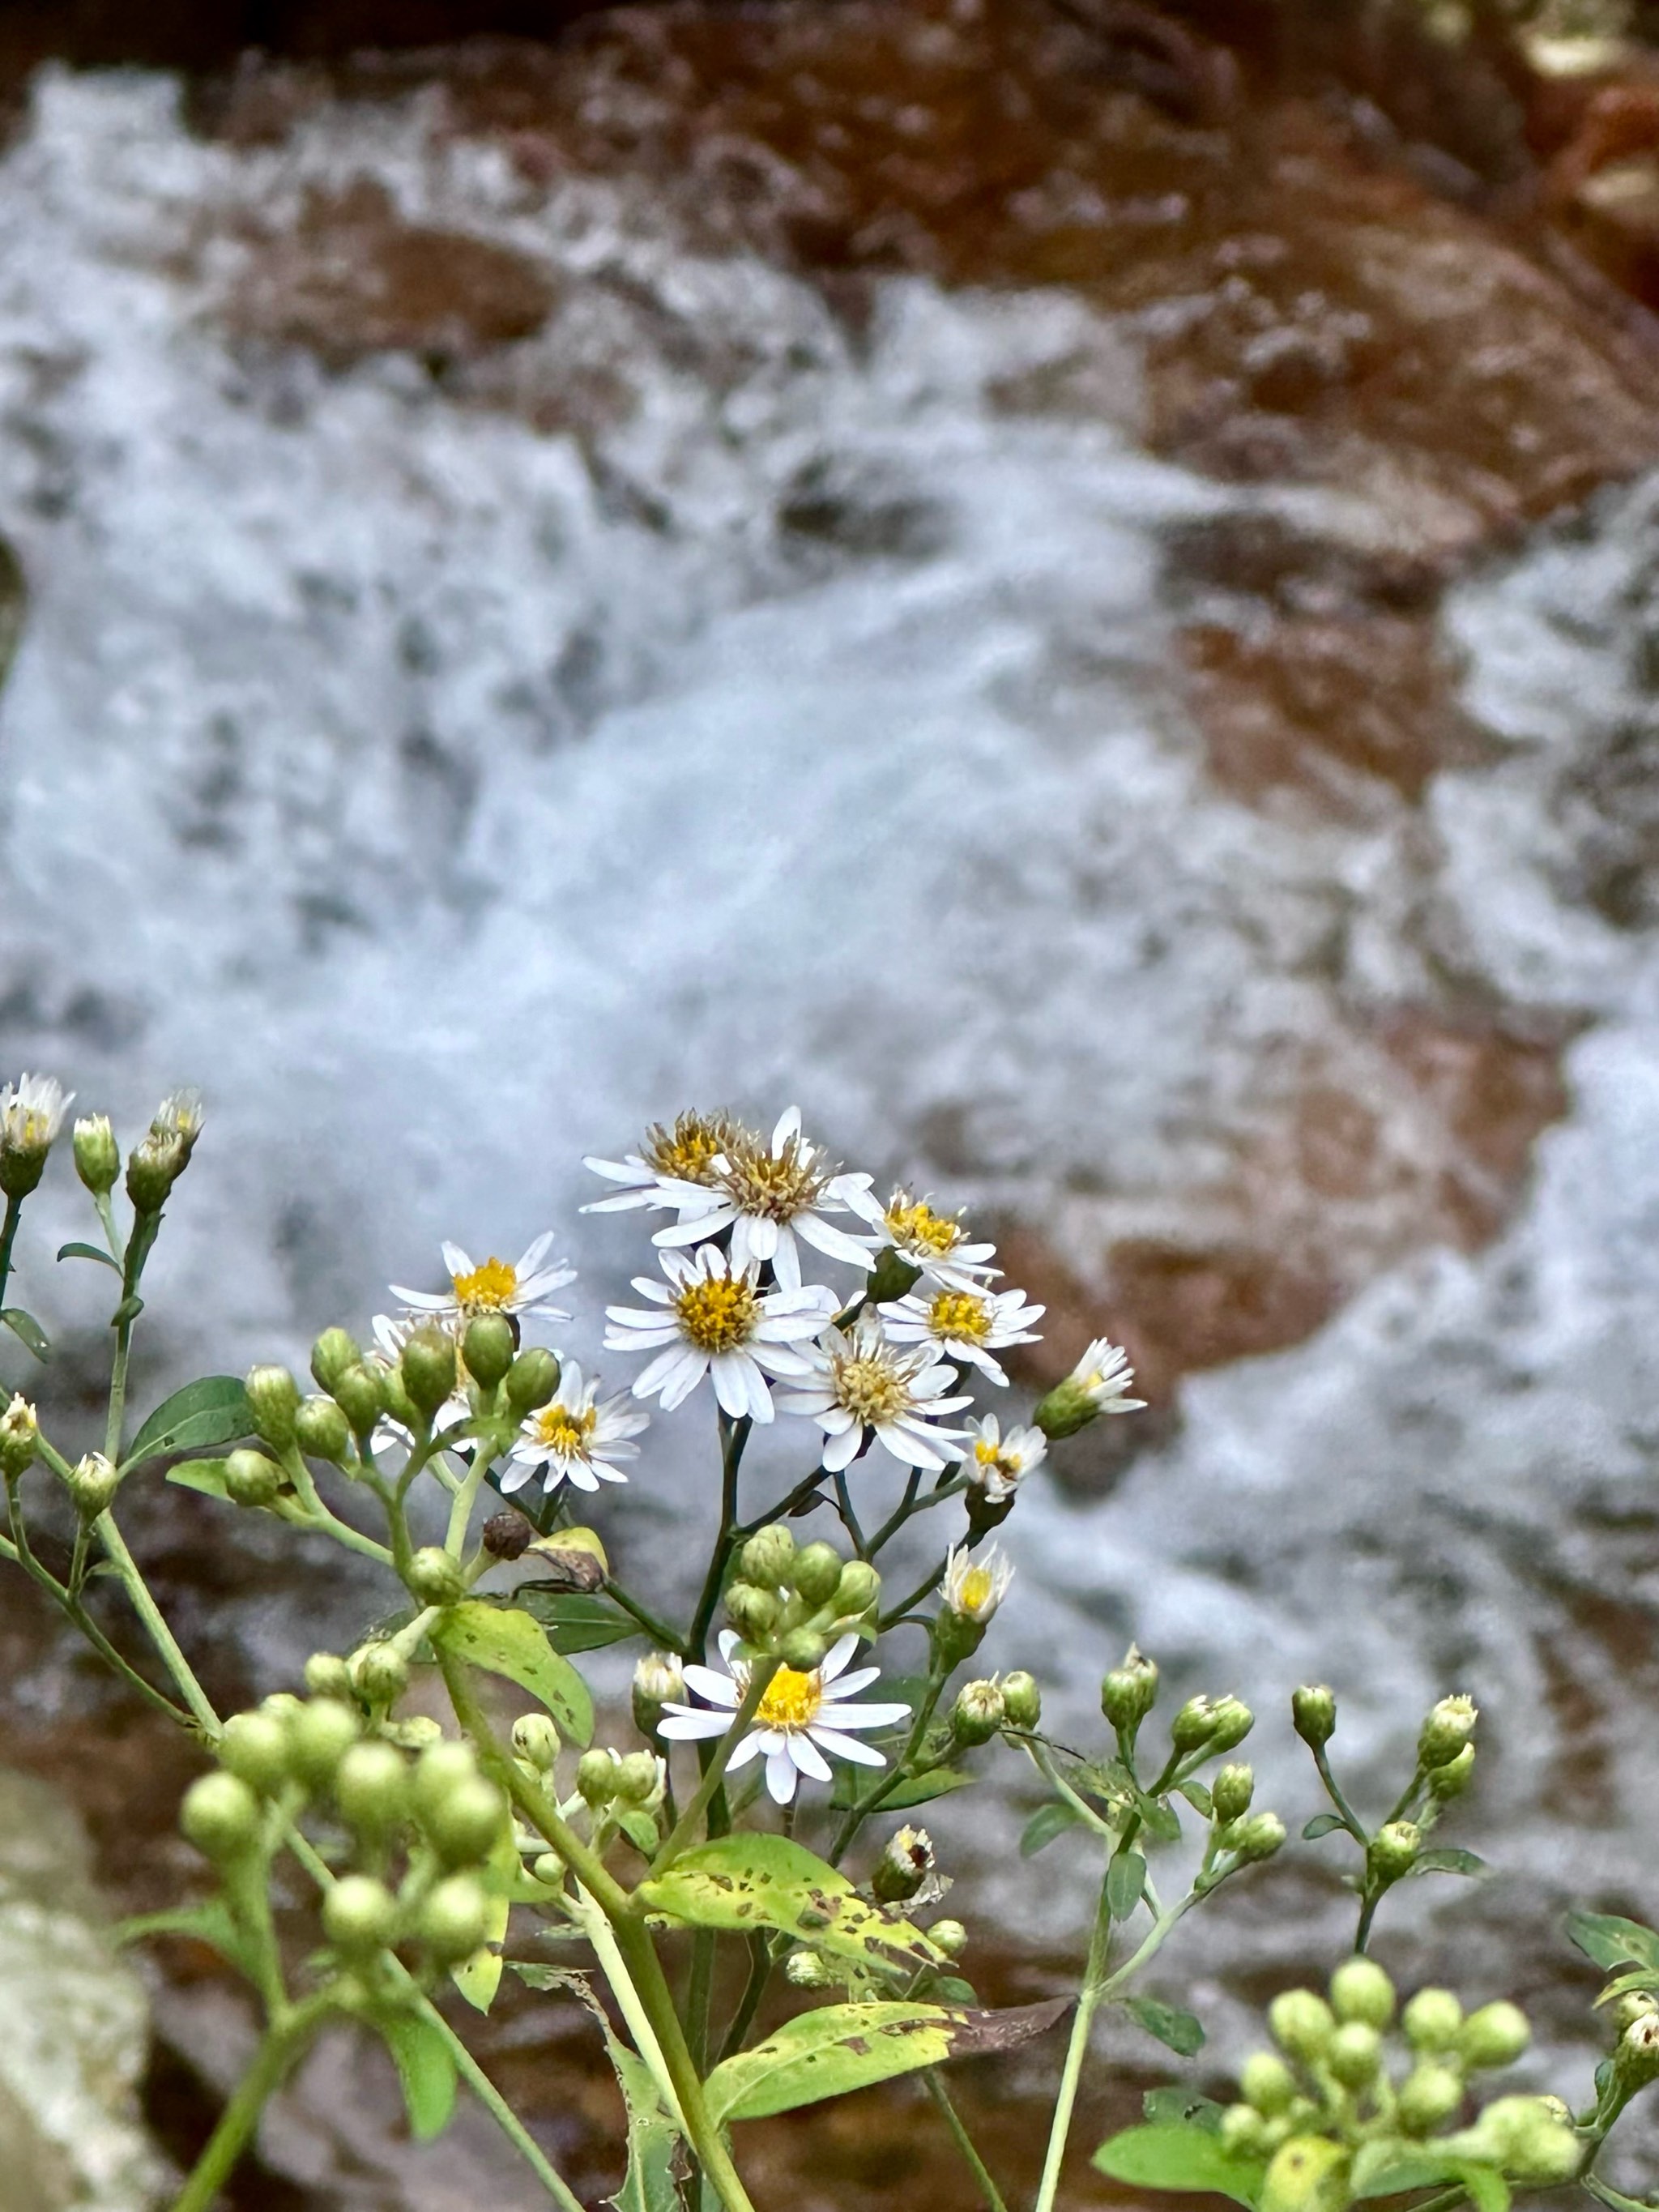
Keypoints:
pixel 478 1977
pixel 210 1923
pixel 649 2184
pixel 1198 1797
pixel 1045 1824
pixel 89 1252
pixel 128 1309
pixel 1158 1820
pixel 575 1621
pixel 750 1881
pixel 426 2070
pixel 214 1411
pixel 1323 1824
pixel 208 1475
pixel 1181 2031
pixel 1488 2191
pixel 1125 1880
pixel 914 1789
pixel 512 1645
pixel 28 1331
pixel 1610 1941
pixel 1638 1977
pixel 1172 2155
pixel 1451 1861
pixel 1182 2105
pixel 640 1828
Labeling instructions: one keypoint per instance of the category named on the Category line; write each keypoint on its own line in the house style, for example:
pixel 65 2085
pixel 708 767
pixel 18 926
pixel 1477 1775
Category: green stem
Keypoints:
pixel 734 1435
pixel 760 1973
pixel 760 1676
pixel 959 2135
pixel 901 1513
pixel 668 1639
pixel 1350 1819
pixel 849 1519
pixel 895 1613
pixel 21 1555
pixel 283 2044
pixel 8 1238
pixel 786 1507
pixel 140 1245
pixel 1058 1782
pixel 700 1990
pixel 166 1645
pixel 1088 2004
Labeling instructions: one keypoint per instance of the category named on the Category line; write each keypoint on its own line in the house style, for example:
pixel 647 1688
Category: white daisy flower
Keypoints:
pixel 864 1384
pixel 799 1719
pixel 976 1586
pixel 936 1243
pixel 493 1287
pixel 1105 1377
pixel 574 1437
pixel 32 1112
pixel 672 1167
pixel 999 1464
pixel 768 1194
pixel 178 1119
pixel 710 1318
pixel 967 1324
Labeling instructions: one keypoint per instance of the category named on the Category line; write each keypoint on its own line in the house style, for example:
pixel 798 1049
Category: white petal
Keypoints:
pixel 788 1125
pixel 750 1747
pixel 808 1758
pixel 730 1372
pixel 683 1380
pixel 728 1640
pixel 696 1228
pixel 786 1256
pixel 849 1686
pixel 840 1451
pixel 760 1237
pixel 864 1717
pixel 836 1241
pixel 837 1657
pixel 688 1727
pixel 719 1689
pixel 457 1261
pixel 781 1778
pixel 846 1747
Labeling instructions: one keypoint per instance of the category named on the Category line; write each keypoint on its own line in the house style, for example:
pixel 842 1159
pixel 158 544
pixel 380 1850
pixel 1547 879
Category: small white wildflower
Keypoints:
pixel 32 1112
pixel 938 1243
pixel 863 1385
pixel 1105 1377
pixel 672 1165
pixel 975 1588
pixel 801 1717
pixel 493 1287
pixel 966 1324
pixel 768 1196
pixel 710 1318
pixel 998 1464
pixel 575 1438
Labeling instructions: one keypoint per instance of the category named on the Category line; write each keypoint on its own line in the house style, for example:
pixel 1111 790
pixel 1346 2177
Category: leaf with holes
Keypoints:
pixel 1171 2154
pixel 214 1411
pixel 751 1881
pixel 512 1645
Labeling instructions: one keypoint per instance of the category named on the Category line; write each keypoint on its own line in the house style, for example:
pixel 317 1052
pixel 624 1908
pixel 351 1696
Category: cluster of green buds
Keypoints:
pixel 623 1791
pixel 984 1708
pixel 1203 1729
pixel 422 1830
pixel 1335 2122
pixel 1443 1770
pixel 360 1390
pixel 791 1603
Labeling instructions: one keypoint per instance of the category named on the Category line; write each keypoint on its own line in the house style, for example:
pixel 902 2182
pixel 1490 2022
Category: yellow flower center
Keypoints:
pixel 791 1700
pixel 778 1187
pixel 717 1313
pixel 488 1289
pixel 29 1130
pixel 974 1589
pixel 960 1314
pixel 919 1229
pixel 991 1456
pixel 871 1390
pixel 566 1430
pixel 688 1148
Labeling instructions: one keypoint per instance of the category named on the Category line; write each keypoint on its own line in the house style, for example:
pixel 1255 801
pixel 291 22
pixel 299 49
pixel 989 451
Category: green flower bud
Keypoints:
pixel 549 1868
pixel 1313 1710
pixel 818 1573
pixel 658 1681
pixel 92 1483
pixel 400 1406
pixel 1022 1700
pixel 441 1768
pixel 949 1936
pixel 1432 2020
pixel 769 1557
pixel 359 1392
pixel 327 1676
pixel 273 1398
pixel 97 1155
pixel 1361 1991
pixel 253 1479
pixel 380 1673
pixel 638 1777
pixel 978 1713
pixel 1525 2136
pixel 427 1367
pixel 20 1438
pixel 1452 1779
pixel 359 1915
pixel 536 1740
pixel 1258 1837
pixel 433 1577
pixel 1636 2058
pixel 809 1970
pixel 1430 2095
pixel 333 1352
pixel 453 1920
pixel 1496 2035
pixel 857 1591
pixel 254 1748
pixel 371 1786
pixel 466 1823
pixel 1066 1409
pixel 905 1864
pixel 1232 1791
pixel 531 1379
pixel 221 1816
pixel 1353 2054
pixel 596 1778
pixel 1232 1721
pixel 752 1610
pixel 150 1176
pixel 1242 2135
pixel 1268 2084
pixel 802 1650
pixel 488 1349
pixel 319 1736
pixel 282 1705
pixel 1393 1850
pixel 1309 2173
pixel 1129 1692
pixel 1634 2005
pixel 322 1430
pixel 891 1276
pixel 1192 1726
pixel 1445 1731
pixel 1301 2023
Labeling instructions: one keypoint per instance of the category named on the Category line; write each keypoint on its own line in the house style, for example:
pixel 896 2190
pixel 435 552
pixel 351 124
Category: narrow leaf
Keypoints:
pixel 1126 1879
pixel 914 1789
pixel 512 1645
pixel 1171 2154
pixel 214 1411
pixel 654 2140
pixel 28 1331
pixel 1182 2031
pixel 1198 1797
pixel 1045 1824
pixel 1323 1824
pixel 1612 1941
pixel 210 1923
pixel 1451 1861
pixel 750 1881
pixel 89 1252
pixel 426 2071
pixel 1160 1822
pixel 574 1621
pixel 128 1309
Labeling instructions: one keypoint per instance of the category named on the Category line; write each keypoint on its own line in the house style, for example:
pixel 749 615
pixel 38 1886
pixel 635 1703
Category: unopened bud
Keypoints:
pixel 857 1591
pixel 1526 2137
pixel 327 1676
pixel 818 1572
pixel 465 1824
pixel 253 1479
pixel 535 1740
pixel 1232 1791
pixel 1445 1731
pixel 1022 1700
pixel 1313 1710
pixel 1129 1692
pixel 1432 2020
pixel 20 1438
pixel 1634 2005
pixel 803 1650
pixel 1353 2054
pixel 433 1577
pixel 531 1379
pixel 322 1430
pixel 359 1915
pixel 769 1557
pixel 752 1610
pixel 1452 1779
pixel 488 1349
pixel 441 1768
pixel 950 1936
pixel 1231 1721
pixel 1361 1991
pixel 1258 1837
pixel 1301 2023
pixel 1192 1726
pixel 1495 2035
pixel 978 1713
pixel 1430 2095
pixel 1635 2060
pixel 92 1483
pixel 638 1777
pixel 658 1681
pixel 358 1391
pixel 331 1354
pixel 1394 1851
pixel 1307 2173
pixel 1241 2132
pixel 97 1155
pixel 319 1736
pixel 163 1154
pixel 596 1777
pixel 221 1816
pixel 453 1920
pixel 380 1673
pixel 508 1536
pixel 371 1786
pixel 273 1398
pixel 1268 2084
pixel 254 1748
pixel 892 1277
pixel 427 1367
pixel 905 1864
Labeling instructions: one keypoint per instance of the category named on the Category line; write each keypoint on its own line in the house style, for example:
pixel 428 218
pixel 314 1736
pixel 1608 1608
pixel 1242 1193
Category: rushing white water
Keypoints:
pixel 448 798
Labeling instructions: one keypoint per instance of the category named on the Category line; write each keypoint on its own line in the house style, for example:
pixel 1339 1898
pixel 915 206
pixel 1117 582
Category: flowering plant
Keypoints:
pixel 752 1816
